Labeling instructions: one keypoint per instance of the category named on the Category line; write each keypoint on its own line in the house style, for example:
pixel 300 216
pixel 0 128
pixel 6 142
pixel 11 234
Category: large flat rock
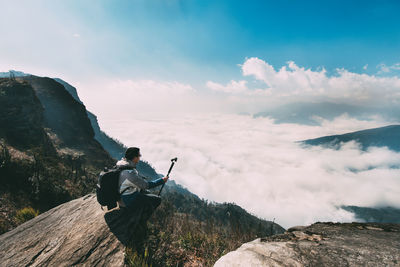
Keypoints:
pixel 322 244
pixel 77 233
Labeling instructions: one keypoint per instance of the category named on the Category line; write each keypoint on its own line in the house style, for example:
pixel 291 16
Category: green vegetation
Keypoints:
pixel 26 214
pixel 135 260
pixel 32 178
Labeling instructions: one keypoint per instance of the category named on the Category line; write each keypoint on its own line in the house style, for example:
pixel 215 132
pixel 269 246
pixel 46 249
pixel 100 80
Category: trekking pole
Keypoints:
pixel 169 171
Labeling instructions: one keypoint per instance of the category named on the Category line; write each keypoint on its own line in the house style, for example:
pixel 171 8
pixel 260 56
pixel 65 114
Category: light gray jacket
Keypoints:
pixel 132 181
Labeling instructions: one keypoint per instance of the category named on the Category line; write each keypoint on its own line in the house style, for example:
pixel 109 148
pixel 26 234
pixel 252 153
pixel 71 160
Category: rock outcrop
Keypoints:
pixel 322 244
pixel 76 233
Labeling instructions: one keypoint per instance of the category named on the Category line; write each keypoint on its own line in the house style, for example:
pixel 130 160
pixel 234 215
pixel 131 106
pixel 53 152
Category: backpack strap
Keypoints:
pixel 123 191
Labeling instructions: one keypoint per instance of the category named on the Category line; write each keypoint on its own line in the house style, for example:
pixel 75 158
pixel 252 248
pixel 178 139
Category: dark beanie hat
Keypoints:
pixel 132 152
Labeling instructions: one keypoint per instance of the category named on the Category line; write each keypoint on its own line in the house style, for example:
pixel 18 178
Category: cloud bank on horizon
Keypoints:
pixel 255 163
pixel 262 87
pixel 305 84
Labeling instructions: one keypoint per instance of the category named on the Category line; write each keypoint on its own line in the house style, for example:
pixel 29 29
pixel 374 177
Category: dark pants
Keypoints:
pixel 139 208
pixel 139 199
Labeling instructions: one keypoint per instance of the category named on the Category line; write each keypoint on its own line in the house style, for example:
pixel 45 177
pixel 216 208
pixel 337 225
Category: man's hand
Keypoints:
pixel 166 179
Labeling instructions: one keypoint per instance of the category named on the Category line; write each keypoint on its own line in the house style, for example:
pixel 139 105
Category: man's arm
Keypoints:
pixel 141 182
pixel 156 182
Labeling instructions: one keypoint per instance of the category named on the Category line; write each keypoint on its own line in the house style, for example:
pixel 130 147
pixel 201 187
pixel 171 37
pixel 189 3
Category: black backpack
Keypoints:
pixel 107 189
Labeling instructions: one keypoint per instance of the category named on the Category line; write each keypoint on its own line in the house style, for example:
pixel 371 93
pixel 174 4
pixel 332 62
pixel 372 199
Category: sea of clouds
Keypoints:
pixel 256 162
pixel 258 165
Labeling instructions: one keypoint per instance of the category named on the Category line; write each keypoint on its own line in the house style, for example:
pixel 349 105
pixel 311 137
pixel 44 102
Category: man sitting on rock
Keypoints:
pixel 133 186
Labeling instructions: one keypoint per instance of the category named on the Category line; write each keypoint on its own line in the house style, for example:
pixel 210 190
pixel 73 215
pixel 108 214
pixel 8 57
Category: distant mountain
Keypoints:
pixel 388 136
pixel 380 215
pixel 310 113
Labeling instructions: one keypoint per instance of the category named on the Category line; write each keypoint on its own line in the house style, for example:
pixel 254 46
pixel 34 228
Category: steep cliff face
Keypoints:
pixel 322 244
pixel 72 90
pixel 66 121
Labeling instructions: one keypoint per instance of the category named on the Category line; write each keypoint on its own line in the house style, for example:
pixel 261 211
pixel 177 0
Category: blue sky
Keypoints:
pixel 189 40
pixel 204 45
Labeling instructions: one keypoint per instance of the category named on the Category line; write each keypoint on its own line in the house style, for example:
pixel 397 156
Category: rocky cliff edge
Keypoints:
pixel 322 244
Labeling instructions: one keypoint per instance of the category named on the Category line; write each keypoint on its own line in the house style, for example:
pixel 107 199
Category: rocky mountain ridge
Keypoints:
pixel 66 120
pixel 48 154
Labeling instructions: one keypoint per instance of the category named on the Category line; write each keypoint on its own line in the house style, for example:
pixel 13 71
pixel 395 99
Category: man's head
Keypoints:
pixel 133 153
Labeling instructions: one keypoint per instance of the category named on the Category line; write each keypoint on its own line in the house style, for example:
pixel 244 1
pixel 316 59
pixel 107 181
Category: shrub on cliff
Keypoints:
pixel 25 214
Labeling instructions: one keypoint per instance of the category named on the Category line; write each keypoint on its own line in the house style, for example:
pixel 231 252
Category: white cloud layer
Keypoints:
pixel 256 164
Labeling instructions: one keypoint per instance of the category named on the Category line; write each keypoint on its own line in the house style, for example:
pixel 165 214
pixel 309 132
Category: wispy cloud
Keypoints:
pixel 383 68
pixel 232 87
pixel 144 87
pixel 137 97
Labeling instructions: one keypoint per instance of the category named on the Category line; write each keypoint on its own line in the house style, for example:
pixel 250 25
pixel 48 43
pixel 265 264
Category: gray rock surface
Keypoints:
pixel 322 244
pixel 77 233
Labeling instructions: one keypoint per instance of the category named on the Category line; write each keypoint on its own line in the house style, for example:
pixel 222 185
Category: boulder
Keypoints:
pixel 322 244
pixel 76 233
